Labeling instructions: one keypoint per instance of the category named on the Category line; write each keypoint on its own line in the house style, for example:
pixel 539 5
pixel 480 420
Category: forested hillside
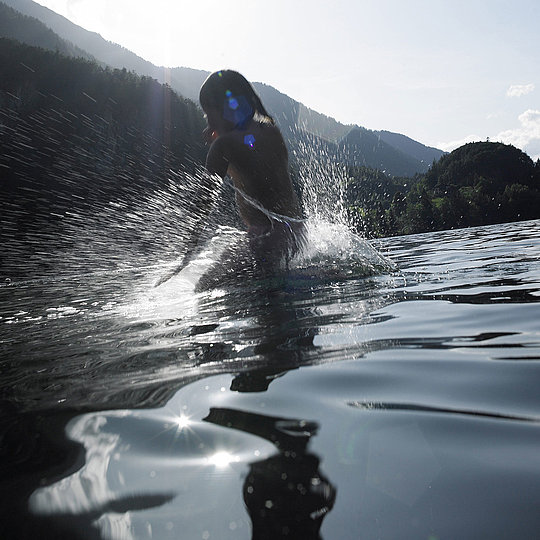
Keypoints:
pixel 120 119
pixel 75 136
pixel 14 25
pixel 477 184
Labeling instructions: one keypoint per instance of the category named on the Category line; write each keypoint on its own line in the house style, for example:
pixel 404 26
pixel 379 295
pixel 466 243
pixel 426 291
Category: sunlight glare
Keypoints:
pixel 222 459
pixel 182 422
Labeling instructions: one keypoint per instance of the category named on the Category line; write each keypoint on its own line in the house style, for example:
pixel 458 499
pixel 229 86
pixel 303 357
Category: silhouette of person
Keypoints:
pixel 247 147
pixel 286 495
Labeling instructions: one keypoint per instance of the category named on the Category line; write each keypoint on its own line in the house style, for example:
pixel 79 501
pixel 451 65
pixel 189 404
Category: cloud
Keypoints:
pixel 518 90
pixel 525 136
pixel 452 145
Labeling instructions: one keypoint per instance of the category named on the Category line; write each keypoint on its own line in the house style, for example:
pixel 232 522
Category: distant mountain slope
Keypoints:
pixel 294 115
pixel 393 153
pixel 29 30
pixel 425 154
pixel 187 81
pixel 363 147
pixel 104 51
pixel 352 145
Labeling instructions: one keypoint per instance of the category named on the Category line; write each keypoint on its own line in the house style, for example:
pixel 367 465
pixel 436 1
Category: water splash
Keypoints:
pixel 82 245
pixel 332 251
pixel 322 181
pixel 82 280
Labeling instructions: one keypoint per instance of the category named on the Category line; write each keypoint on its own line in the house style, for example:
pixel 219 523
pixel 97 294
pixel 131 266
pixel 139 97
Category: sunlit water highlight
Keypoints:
pixel 345 397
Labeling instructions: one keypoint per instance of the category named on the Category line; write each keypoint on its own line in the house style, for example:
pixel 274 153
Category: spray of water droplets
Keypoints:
pixel 143 226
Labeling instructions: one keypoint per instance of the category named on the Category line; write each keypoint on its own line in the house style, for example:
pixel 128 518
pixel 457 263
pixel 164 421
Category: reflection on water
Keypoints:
pixel 394 405
pixel 179 467
pixel 286 495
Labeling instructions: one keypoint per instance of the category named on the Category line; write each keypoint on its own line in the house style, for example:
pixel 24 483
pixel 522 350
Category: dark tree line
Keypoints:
pixel 477 184
pixel 75 136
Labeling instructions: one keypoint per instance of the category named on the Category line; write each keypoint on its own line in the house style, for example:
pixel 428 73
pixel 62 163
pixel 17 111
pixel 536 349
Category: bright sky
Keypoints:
pixel 443 72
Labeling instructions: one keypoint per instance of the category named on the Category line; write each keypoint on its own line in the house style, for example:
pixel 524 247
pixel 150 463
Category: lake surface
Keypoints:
pixel 381 404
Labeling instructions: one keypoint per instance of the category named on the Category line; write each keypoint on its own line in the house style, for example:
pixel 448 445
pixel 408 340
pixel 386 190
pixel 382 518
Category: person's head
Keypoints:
pixel 227 95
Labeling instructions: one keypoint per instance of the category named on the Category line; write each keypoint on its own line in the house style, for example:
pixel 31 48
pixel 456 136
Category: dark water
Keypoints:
pixel 348 404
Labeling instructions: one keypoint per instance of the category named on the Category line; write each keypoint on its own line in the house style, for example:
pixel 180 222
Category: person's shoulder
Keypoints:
pixel 265 131
pixel 272 135
pixel 240 138
pixel 232 140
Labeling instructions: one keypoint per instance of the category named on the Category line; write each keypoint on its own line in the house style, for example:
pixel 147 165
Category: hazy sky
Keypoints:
pixel 441 72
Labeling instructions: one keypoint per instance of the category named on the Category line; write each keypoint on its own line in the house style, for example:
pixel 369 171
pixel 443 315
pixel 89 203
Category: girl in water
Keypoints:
pixel 247 147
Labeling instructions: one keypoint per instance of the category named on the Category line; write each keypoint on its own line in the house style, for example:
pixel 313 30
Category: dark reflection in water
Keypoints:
pixel 34 450
pixel 286 494
pixel 283 343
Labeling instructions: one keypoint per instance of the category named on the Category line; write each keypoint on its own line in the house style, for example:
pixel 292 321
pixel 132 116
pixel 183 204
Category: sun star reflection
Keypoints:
pixel 182 421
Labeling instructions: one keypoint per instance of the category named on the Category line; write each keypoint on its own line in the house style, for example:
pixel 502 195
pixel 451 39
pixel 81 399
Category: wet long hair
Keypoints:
pixel 231 94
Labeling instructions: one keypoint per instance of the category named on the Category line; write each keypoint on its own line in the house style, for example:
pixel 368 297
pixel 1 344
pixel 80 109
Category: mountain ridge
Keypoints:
pixel 21 27
pixel 396 154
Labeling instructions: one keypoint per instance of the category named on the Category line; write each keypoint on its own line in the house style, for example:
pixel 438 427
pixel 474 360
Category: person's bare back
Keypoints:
pixel 256 159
